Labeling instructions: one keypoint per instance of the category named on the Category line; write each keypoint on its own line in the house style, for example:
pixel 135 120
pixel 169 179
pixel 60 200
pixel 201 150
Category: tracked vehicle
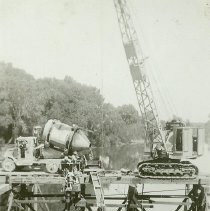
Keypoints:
pixel 165 150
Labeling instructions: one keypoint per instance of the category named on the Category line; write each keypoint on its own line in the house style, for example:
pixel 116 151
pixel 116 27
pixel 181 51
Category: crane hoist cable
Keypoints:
pixel 101 75
pixel 168 103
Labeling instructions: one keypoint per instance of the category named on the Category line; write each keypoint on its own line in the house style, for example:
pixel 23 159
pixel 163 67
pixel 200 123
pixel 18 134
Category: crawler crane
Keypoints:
pixel 166 149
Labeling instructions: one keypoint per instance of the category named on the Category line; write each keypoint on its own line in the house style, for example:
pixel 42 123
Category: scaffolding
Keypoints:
pixel 87 192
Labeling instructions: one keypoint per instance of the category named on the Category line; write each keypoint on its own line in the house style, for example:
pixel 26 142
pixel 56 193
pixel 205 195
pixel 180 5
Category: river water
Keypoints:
pixel 115 158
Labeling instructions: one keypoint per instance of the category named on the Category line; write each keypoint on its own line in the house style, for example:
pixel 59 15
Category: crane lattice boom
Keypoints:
pixel 141 83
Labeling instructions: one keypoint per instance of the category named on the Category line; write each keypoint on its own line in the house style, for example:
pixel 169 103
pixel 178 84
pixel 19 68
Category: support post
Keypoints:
pixel 132 199
pixel 46 205
pixel 10 201
pixel 198 198
pixel 35 191
pixel 98 189
pixel 206 189
pixel 187 191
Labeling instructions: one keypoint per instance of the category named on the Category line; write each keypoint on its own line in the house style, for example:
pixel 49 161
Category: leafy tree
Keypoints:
pixel 129 114
pixel 25 102
pixel 135 128
pixel 16 103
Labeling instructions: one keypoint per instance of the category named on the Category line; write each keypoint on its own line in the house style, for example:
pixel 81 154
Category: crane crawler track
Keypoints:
pixel 167 169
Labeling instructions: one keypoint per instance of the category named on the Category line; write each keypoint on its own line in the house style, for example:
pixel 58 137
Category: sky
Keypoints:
pixel 81 38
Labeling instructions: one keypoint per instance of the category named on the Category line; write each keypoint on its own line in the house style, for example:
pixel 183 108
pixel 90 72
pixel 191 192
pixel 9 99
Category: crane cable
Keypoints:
pixel 151 73
pixel 101 74
pixel 168 103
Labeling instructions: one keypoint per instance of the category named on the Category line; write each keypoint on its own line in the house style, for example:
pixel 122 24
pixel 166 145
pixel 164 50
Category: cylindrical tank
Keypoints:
pixel 63 136
pixel 48 127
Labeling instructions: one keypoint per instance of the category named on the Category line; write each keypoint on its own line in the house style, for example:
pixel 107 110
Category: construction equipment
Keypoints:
pixel 24 154
pixel 30 151
pixel 64 137
pixel 163 149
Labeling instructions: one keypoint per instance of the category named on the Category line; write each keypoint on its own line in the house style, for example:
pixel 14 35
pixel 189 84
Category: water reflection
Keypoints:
pixel 126 156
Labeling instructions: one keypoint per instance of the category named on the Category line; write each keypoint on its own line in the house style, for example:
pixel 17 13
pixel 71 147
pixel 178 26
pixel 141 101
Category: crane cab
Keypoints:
pixel 188 142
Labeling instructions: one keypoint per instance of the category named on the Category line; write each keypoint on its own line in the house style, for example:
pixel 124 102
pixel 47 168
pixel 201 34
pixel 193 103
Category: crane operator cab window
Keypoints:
pixel 179 140
pixel 195 140
pixel 184 141
pixel 188 141
pixel 198 141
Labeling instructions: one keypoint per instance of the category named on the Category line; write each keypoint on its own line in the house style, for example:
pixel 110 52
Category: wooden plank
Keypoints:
pixel 36 180
pixel 4 173
pixel 3 179
pixel 32 178
pixel 98 189
pixel 120 205
pixel 116 179
pixel 131 206
pixel 169 203
pixel 37 201
pixel 46 178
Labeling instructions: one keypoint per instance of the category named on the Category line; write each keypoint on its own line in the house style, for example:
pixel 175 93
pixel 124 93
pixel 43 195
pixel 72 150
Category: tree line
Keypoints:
pixel 26 102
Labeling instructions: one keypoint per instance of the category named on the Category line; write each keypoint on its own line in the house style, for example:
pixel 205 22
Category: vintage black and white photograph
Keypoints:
pixel 104 105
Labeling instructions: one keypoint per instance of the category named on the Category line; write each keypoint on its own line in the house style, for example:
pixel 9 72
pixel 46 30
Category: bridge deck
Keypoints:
pixel 97 179
pixel 105 178
pixel 131 179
